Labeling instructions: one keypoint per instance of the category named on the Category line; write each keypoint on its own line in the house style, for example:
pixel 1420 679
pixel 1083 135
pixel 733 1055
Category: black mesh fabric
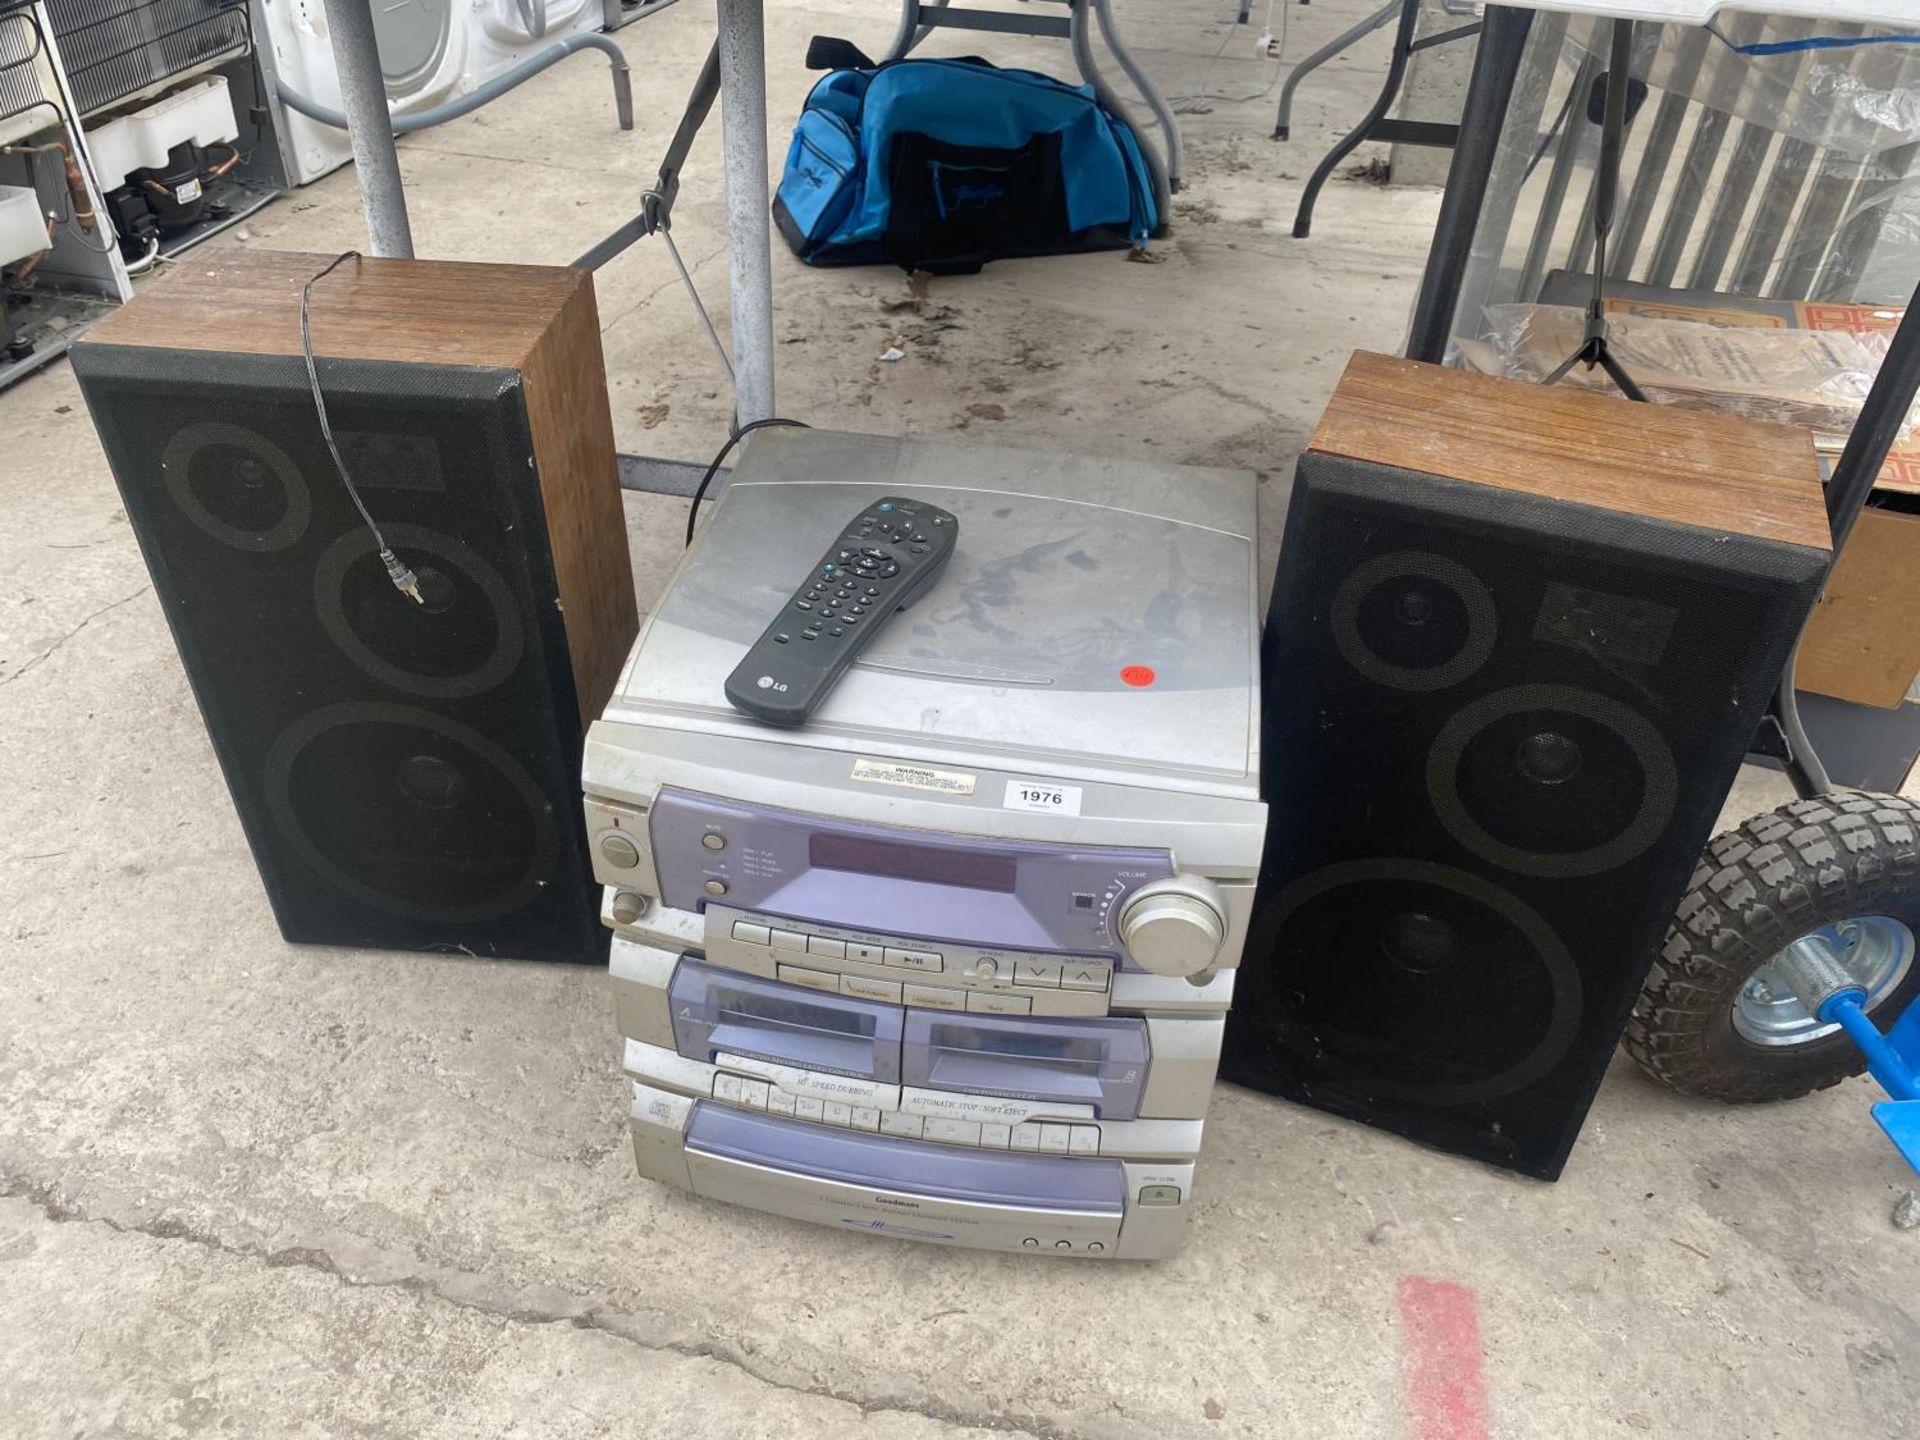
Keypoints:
pixel 407 775
pixel 1497 732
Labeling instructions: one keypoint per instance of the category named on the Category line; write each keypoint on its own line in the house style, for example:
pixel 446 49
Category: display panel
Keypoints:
pixel 937 864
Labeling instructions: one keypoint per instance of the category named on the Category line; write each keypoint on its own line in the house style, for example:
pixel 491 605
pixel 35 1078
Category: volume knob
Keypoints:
pixel 1174 927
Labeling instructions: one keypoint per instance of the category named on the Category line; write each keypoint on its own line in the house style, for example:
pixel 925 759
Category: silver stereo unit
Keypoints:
pixel 951 961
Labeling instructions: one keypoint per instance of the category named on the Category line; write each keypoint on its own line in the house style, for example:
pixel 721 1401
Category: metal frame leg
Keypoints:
pixel 1389 91
pixel 743 124
pixel 1283 119
pixel 911 31
pixel 363 96
pixel 1156 102
pixel 1081 36
pixel 1502 44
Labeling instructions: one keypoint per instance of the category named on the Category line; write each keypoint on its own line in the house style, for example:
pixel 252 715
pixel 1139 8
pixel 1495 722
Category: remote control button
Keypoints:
pixel 884 506
pixel 918 548
pixel 888 570
pixel 872 590
pixel 852 618
pixel 803 604
pixel 829 568
pixel 873 552
pixel 780 639
pixel 809 634
pixel 836 630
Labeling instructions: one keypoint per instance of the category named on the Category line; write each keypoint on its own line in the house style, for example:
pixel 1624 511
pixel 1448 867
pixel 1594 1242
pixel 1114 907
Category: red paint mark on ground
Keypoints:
pixel 1440 1345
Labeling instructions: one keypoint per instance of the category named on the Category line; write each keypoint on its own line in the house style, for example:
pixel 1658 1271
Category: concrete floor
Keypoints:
pixel 256 1190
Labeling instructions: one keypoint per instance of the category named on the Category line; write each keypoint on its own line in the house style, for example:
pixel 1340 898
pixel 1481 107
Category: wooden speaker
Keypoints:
pixel 407 773
pixel 1519 642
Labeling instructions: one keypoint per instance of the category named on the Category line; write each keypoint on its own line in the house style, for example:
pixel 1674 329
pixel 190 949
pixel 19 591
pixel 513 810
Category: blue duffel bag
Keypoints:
pixel 943 165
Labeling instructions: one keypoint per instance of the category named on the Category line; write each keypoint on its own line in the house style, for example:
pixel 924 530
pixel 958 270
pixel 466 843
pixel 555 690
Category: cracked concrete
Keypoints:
pixel 248 1188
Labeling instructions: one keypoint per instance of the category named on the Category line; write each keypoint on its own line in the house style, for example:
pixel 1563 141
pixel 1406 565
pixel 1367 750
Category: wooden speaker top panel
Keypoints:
pixel 247 301
pixel 1691 467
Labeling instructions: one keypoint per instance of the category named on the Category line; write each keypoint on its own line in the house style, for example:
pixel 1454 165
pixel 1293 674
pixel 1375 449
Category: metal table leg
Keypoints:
pixel 363 96
pixel 1156 102
pixel 743 121
pixel 911 31
pixel 1489 92
pixel 1396 69
pixel 1283 121
pixel 1082 38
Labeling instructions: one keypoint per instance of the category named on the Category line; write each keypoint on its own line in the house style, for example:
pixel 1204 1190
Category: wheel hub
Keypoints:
pixel 1876 950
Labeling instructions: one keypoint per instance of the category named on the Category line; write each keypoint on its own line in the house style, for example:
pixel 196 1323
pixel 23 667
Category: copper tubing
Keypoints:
pixel 233 159
pixel 80 202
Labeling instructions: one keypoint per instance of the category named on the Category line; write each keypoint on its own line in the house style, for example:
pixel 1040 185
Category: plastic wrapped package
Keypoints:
pixel 1816 378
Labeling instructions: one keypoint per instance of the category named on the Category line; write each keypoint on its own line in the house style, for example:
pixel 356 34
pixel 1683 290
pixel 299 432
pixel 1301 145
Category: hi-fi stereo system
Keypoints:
pixel 937 922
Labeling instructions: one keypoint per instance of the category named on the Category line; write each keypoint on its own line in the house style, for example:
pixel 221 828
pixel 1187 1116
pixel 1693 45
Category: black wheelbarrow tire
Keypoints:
pixel 1759 887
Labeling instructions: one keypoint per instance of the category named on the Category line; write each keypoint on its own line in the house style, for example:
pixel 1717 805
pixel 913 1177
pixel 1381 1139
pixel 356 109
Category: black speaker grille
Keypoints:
pixel 407 774
pixel 1497 731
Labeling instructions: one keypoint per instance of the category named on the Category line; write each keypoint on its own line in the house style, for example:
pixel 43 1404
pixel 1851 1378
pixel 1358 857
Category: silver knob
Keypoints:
pixel 628 907
pixel 1174 926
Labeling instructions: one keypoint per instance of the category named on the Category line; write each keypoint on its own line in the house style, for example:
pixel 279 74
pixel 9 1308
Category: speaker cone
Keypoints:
pixel 1413 621
pixel 236 485
pixel 411 812
pixel 461 639
pixel 1420 982
pixel 1553 781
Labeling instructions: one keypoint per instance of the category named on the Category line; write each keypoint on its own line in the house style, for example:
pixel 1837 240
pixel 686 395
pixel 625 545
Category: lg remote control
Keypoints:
pixel 882 562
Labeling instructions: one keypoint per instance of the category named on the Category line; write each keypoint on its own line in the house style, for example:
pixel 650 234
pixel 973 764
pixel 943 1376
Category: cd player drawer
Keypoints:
pixel 1092 1209
pixel 1120 1067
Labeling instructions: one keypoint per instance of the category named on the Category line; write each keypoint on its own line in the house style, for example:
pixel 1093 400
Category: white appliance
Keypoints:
pixel 431 51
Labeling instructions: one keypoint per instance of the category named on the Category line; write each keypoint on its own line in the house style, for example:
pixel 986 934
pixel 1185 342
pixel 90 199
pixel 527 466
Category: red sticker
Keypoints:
pixel 1139 675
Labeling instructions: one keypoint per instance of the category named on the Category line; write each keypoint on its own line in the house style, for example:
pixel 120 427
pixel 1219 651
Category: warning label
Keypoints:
pixel 914 777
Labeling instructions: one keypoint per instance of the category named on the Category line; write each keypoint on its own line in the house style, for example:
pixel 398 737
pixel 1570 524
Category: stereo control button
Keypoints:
pixel 865 1117
pixel 790 940
pixel 915 959
pixel 837 1112
pixel 865 954
pixel 1026 1137
pixel 754 1094
pixel 730 1088
pixel 805 1107
pixel 1056 1139
pixel 616 849
pixel 1084 1140
pixel 821 945
pixel 861 988
pixel 1159 1195
pixel 954 1132
pixel 812 979
pixel 713 840
pixel 985 968
pixel 748 933
pixel 898 1122
pixel 1036 972
pixel 1031 1243
pixel 779 1102
pixel 995 1137
pixel 1063 1245
pixel 716 887
pixel 985 1002
pixel 932 997
pixel 1074 974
